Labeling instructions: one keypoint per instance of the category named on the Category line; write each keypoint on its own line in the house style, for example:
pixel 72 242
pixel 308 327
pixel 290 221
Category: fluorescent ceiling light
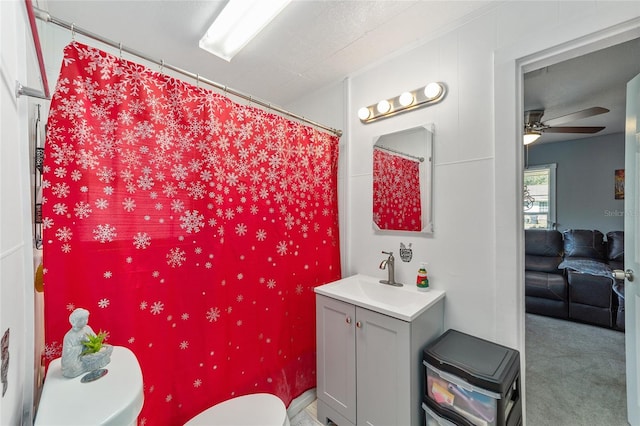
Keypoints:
pixel 238 23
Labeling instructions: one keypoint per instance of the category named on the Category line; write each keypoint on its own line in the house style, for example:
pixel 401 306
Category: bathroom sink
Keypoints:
pixel 404 303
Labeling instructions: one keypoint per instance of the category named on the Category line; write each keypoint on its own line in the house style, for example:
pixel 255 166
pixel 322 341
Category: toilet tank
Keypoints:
pixel 114 399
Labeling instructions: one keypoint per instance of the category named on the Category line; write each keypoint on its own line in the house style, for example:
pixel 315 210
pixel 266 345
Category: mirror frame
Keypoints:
pixel 426 175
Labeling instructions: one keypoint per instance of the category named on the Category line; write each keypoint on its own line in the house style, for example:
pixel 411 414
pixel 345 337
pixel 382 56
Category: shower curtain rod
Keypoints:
pixel 29 91
pixel 43 15
pixel 413 157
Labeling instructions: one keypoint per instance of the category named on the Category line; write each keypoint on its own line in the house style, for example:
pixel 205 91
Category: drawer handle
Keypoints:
pixel 348 320
pixel 358 324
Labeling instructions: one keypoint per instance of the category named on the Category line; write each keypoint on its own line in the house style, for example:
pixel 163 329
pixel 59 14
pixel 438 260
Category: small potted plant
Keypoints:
pixel 95 354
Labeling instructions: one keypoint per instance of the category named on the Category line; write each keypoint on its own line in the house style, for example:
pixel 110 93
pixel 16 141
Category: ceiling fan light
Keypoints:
pixel 531 136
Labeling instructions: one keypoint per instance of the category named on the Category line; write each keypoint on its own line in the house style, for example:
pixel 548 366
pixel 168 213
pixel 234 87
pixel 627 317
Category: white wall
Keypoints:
pixel 16 270
pixel 459 254
pixel 474 254
pixel 585 181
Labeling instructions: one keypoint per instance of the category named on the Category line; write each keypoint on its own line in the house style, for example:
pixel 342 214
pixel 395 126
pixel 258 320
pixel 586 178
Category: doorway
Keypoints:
pixel 590 358
pixel 510 66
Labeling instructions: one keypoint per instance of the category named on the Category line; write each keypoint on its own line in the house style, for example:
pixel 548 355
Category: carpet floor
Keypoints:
pixel 575 374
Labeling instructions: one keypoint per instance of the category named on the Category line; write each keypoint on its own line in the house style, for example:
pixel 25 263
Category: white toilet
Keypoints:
pixel 258 409
pixel 113 399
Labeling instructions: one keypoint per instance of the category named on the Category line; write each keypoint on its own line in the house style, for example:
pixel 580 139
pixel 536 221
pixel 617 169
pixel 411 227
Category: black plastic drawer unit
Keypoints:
pixel 471 381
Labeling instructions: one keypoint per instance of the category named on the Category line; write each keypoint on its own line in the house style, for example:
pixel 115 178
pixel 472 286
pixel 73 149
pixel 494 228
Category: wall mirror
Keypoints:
pixel 403 180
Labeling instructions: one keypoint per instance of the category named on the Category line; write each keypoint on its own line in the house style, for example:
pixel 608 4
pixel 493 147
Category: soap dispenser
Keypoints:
pixel 422 280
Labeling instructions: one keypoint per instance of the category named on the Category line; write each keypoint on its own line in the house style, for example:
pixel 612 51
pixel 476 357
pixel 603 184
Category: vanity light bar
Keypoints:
pixel 432 93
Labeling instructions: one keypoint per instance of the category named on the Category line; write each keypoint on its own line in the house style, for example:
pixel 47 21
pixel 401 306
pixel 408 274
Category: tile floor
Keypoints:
pixel 306 417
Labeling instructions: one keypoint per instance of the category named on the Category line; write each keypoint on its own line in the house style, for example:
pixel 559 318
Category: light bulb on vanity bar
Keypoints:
pixel 364 113
pixel 383 106
pixel 406 99
pixel 432 90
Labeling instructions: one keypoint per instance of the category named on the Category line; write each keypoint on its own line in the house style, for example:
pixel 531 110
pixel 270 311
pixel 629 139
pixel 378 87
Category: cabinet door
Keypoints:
pixel 336 346
pixel 383 360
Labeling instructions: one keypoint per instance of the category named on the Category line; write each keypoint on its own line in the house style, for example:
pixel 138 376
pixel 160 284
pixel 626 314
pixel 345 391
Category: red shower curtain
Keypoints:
pixel 193 229
pixel 396 192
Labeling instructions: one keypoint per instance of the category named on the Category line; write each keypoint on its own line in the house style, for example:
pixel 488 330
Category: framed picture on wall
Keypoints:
pixel 619 184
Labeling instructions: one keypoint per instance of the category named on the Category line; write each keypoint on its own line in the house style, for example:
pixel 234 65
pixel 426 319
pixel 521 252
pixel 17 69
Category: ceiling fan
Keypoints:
pixel 534 126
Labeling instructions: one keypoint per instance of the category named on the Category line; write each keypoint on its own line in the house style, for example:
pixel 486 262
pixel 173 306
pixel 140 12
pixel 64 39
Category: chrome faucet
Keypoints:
pixel 389 265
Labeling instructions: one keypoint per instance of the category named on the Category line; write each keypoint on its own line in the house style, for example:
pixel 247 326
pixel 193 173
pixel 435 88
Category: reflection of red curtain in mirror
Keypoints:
pixel 193 228
pixel 396 192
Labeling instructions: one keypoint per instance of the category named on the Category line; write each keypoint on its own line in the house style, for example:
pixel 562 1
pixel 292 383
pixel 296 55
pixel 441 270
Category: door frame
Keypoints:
pixel 510 64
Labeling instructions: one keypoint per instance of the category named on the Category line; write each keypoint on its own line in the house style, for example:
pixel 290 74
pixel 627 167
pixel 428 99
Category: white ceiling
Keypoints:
pixel 310 45
pixel 315 43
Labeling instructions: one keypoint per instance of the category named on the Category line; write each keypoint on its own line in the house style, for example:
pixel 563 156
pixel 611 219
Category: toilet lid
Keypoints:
pixel 114 399
pixel 259 409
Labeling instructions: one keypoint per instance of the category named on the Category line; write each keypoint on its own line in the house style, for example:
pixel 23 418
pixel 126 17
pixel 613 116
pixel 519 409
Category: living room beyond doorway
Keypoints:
pixel 586 197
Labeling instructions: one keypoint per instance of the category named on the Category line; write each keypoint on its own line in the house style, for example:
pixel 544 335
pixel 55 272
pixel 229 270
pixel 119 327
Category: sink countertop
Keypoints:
pixel 404 303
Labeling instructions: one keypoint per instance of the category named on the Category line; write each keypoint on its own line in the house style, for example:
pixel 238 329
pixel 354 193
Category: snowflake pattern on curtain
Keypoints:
pixel 193 228
pixel 396 192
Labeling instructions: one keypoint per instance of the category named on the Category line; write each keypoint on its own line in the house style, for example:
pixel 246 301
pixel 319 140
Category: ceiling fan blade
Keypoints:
pixel 589 112
pixel 572 129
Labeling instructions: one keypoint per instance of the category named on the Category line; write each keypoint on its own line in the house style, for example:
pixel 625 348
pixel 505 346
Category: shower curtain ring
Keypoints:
pixel 73 31
pixel 161 66
pixel 198 80
pixel 120 48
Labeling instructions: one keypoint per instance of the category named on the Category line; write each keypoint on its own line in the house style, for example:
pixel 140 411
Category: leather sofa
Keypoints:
pixel 568 275
pixel 545 284
pixel 615 256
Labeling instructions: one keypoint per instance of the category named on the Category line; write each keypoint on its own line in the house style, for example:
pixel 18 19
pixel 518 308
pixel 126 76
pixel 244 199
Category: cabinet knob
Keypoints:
pixel 358 324
pixel 348 320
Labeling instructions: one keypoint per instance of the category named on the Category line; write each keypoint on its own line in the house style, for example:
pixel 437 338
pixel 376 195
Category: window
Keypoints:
pixel 540 196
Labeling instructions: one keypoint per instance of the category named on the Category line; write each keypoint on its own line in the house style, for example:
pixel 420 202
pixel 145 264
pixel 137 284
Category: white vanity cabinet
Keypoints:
pixel 369 364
